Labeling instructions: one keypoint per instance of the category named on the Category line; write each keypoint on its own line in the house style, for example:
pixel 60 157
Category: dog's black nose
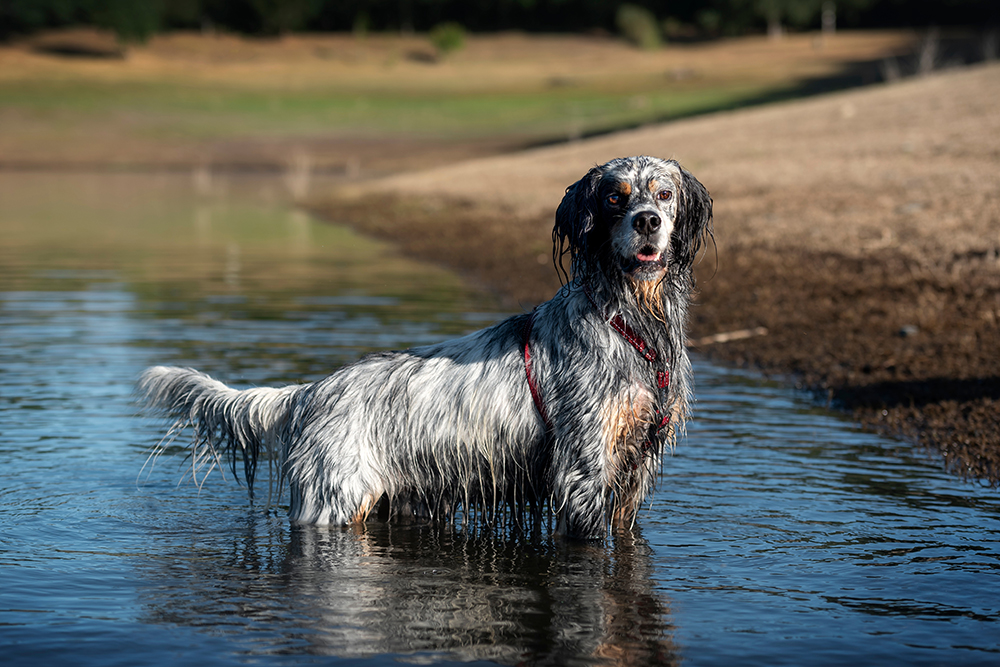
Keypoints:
pixel 646 222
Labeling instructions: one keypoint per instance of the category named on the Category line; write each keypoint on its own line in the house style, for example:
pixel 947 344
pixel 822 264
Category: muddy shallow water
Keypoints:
pixel 779 534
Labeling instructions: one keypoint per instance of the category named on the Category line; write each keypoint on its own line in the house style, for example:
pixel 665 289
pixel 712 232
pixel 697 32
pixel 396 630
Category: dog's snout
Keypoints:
pixel 646 222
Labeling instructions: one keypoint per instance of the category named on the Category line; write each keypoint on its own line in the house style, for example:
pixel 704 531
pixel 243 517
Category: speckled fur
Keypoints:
pixel 451 429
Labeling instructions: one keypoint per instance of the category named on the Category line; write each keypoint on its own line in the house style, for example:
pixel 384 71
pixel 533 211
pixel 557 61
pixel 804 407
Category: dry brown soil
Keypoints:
pixel 861 229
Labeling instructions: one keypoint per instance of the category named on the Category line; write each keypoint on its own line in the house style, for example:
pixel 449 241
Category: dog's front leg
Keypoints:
pixel 580 484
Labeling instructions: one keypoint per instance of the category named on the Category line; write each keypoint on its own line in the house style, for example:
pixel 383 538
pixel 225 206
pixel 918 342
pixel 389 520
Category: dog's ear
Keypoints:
pixel 694 220
pixel 574 220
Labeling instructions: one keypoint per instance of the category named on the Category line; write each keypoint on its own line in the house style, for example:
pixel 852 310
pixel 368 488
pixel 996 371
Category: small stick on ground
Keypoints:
pixel 727 336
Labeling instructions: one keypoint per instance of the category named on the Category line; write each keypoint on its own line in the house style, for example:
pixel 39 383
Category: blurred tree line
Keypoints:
pixel 136 20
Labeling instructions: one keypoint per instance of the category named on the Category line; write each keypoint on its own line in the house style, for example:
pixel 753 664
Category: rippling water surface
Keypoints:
pixel 779 533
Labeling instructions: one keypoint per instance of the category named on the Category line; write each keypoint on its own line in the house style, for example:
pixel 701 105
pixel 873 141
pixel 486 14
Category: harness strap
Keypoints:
pixel 619 325
pixel 635 340
pixel 536 395
pixel 628 333
pixel 662 376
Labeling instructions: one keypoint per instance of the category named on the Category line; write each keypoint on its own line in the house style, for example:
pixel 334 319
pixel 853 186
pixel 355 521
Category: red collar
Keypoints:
pixel 621 326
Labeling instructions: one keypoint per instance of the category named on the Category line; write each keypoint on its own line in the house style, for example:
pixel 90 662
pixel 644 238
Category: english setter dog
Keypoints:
pixel 564 412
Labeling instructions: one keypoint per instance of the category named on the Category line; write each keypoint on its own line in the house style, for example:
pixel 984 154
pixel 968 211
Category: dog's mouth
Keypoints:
pixel 647 260
pixel 648 255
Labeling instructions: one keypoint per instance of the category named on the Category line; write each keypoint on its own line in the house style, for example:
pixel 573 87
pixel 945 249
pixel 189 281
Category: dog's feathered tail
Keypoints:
pixel 228 423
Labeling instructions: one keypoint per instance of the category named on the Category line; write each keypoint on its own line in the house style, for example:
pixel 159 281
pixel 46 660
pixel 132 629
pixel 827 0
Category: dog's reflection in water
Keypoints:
pixel 429 592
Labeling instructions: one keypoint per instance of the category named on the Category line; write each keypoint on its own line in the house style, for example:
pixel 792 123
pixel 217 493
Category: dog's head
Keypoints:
pixel 637 216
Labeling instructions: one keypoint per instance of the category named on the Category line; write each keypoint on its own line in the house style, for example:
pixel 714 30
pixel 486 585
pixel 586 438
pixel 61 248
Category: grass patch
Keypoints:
pixel 202 113
pixel 184 92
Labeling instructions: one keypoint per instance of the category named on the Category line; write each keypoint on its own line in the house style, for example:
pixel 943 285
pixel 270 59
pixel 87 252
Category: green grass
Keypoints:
pixel 165 111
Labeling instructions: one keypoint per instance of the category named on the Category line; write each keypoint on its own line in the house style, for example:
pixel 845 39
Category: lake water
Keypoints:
pixel 779 534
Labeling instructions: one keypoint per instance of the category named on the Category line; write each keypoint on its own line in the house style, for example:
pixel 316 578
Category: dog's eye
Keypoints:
pixel 614 199
pixel 664 195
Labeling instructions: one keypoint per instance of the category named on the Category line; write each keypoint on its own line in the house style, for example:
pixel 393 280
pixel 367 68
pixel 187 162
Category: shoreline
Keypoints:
pixel 867 246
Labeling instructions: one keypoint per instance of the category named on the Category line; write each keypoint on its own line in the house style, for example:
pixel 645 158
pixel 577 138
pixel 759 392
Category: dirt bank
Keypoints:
pixel 861 229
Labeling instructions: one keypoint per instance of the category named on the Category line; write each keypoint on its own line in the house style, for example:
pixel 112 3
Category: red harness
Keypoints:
pixel 536 395
pixel 647 351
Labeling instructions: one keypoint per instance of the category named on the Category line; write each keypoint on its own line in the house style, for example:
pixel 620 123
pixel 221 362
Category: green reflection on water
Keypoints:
pixel 234 240
pixel 200 248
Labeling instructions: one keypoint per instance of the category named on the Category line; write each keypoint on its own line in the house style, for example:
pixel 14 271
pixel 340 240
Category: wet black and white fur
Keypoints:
pixel 449 429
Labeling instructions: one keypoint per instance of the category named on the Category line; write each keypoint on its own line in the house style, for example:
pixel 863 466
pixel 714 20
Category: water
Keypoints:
pixel 779 534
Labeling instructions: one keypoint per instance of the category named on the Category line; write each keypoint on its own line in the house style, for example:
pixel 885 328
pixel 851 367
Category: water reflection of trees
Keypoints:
pixel 435 592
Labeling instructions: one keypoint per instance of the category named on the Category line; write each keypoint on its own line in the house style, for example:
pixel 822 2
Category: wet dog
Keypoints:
pixel 565 412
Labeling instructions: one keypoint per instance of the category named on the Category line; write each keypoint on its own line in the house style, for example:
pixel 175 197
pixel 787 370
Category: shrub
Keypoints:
pixel 362 24
pixel 132 22
pixel 447 37
pixel 638 26
pixel 709 20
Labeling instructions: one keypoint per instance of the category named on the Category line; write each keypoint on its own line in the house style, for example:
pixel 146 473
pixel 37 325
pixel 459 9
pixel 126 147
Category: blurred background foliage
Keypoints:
pixel 137 20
